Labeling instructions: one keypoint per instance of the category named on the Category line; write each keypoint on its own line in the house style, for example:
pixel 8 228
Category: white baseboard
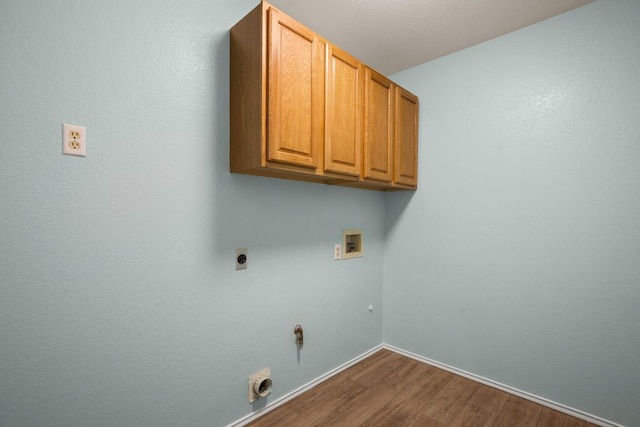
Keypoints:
pixel 511 390
pixel 295 393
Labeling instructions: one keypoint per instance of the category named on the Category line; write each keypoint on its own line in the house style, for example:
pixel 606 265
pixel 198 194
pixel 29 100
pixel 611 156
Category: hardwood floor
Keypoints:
pixel 388 389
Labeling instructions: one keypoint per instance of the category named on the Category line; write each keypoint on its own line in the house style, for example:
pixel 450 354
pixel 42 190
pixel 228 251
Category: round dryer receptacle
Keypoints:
pixel 262 386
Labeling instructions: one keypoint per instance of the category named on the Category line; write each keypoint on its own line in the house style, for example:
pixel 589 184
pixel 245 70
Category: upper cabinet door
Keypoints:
pixel 295 121
pixel 406 139
pixel 378 127
pixel 343 131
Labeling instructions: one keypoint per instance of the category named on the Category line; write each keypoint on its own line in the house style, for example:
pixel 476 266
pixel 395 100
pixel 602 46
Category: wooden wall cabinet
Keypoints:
pixel 301 108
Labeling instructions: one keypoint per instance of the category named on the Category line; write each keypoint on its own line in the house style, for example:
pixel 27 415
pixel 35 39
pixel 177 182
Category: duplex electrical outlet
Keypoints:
pixel 337 251
pixel 74 140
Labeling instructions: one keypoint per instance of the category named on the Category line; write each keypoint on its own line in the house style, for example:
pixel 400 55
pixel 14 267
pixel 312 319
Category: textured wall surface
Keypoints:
pixel 119 302
pixel 517 258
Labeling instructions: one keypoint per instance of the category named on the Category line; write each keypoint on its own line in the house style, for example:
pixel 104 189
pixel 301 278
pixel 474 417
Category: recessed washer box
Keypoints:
pixel 352 243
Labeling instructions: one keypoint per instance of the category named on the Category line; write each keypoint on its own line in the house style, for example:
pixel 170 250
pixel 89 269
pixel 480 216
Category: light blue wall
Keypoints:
pixel 518 259
pixel 119 302
pixel 515 260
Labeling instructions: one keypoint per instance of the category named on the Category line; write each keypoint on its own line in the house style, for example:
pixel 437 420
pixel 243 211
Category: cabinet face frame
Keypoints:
pixel 379 106
pixel 295 92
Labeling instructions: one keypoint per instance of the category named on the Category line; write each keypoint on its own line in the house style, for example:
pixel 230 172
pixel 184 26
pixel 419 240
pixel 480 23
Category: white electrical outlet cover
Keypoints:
pixel 74 140
pixel 337 251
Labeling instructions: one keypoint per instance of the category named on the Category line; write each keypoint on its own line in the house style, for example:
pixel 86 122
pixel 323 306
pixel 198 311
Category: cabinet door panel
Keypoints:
pixel 406 138
pixel 295 93
pixel 378 127
pixel 343 112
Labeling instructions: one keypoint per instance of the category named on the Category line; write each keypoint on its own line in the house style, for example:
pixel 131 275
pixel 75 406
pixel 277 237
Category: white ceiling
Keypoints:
pixel 391 35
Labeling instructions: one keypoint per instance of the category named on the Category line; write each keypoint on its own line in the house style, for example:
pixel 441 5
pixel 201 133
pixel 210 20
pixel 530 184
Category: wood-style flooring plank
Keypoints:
pixel 473 416
pixel 451 400
pixel 482 408
pixel 423 386
pixel 518 412
pixel 551 418
pixel 357 410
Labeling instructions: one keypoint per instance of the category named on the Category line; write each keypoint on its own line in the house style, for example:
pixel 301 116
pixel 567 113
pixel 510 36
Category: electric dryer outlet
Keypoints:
pixel 259 385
